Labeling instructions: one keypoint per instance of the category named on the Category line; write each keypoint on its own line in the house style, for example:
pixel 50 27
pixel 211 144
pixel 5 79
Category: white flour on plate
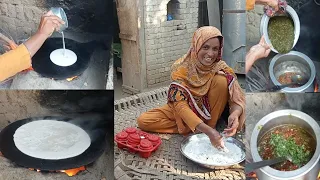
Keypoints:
pixel 201 150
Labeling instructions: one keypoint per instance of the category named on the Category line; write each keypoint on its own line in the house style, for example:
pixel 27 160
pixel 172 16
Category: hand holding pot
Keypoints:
pixel 275 6
pixel 49 23
pixel 260 50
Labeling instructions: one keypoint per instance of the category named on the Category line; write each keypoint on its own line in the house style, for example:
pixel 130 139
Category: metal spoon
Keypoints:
pixel 295 80
pixel 256 165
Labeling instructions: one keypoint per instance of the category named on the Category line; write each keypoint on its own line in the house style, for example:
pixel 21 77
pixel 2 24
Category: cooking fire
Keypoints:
pixel 69 172
pixel 72 78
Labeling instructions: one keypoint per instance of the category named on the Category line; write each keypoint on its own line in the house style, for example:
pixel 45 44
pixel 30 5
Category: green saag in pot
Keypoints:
pixel 281 33
pixel 288 141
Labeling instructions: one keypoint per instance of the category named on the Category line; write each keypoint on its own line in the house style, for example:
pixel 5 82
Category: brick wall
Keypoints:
pixel 166 41
pixel 253 24
pixel 20 18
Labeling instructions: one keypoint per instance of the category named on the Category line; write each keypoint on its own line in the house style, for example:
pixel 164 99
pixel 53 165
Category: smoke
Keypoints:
pixel 300 101
pixel 295 101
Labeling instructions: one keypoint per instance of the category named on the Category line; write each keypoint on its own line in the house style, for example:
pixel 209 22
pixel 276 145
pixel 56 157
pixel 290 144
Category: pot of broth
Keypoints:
pixel 282 31
pixel 283 66
pixel 287 133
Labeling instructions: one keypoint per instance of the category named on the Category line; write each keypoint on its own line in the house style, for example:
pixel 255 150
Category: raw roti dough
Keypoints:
pixel 50 139
pixel 60 59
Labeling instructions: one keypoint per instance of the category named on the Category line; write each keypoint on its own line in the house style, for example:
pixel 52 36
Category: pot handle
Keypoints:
pixel 256 165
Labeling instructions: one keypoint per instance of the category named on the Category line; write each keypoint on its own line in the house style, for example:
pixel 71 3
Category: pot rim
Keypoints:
pixel 302 56
pixel 264 27
pixel 288 174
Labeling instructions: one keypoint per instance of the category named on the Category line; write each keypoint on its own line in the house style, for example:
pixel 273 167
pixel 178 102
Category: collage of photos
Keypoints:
pixel 160 90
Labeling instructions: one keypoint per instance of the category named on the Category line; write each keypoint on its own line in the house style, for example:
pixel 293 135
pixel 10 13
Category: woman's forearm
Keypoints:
pixel 34 43
pixel 236 109
pixel 261 1
pixel 250 59
pixel 202 127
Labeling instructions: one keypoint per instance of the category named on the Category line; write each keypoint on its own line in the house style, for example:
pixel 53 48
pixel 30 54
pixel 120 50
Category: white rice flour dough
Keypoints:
pixel 59 58
pixel 201 150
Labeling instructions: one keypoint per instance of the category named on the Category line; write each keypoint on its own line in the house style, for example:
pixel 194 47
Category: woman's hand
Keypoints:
pixel 260 50
pixel 49 23
pixel 216 139
pixel 256 52
pixel 214 135
pixel 233 123
pixel 272 3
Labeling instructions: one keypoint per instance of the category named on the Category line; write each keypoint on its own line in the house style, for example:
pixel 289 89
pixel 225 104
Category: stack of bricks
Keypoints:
pixel 20 18
pixel 167 40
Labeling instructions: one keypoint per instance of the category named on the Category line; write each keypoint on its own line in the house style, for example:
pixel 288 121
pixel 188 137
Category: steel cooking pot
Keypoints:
pixel 293 62
pixel 311 169
pixel 265 21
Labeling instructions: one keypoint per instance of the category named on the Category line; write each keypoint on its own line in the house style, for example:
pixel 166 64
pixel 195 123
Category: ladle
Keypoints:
pixel 295 80
pixel 256 165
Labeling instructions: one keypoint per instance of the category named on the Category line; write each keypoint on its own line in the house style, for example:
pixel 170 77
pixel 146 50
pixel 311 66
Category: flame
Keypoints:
pixel 316 87
pixel 69 172
pixel 72 172
pixel 72 78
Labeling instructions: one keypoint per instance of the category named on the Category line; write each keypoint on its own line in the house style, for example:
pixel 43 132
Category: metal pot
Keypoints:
pixel 58 11
pixel 311 169
pixel 203 136
pixel 265 21
pixel 293 62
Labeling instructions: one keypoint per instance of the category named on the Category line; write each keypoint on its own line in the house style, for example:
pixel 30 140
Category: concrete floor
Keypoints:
pixel 259 105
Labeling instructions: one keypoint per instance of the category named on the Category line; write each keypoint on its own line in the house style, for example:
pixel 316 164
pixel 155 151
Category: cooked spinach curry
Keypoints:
pixel 281 33
pixel 287 141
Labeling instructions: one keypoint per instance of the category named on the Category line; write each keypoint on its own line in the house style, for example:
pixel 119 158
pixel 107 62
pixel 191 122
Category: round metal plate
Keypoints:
pixel 191 138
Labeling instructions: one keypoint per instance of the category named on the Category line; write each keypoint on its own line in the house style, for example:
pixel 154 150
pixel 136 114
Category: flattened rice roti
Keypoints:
pixel 50 139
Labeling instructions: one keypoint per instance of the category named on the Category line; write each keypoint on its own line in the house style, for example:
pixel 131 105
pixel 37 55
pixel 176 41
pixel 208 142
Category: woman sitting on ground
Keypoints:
pixel 202 84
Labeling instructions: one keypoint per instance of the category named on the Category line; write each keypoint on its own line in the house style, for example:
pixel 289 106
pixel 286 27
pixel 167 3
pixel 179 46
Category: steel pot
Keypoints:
pixel 311 169
pixel 293 62
pixel 203 136
pixel 58 11
pixel 265 21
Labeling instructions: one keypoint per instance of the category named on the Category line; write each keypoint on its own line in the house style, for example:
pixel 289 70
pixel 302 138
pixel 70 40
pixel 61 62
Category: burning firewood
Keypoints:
pixel 72 172
pixel 72 78
pixel 69 172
